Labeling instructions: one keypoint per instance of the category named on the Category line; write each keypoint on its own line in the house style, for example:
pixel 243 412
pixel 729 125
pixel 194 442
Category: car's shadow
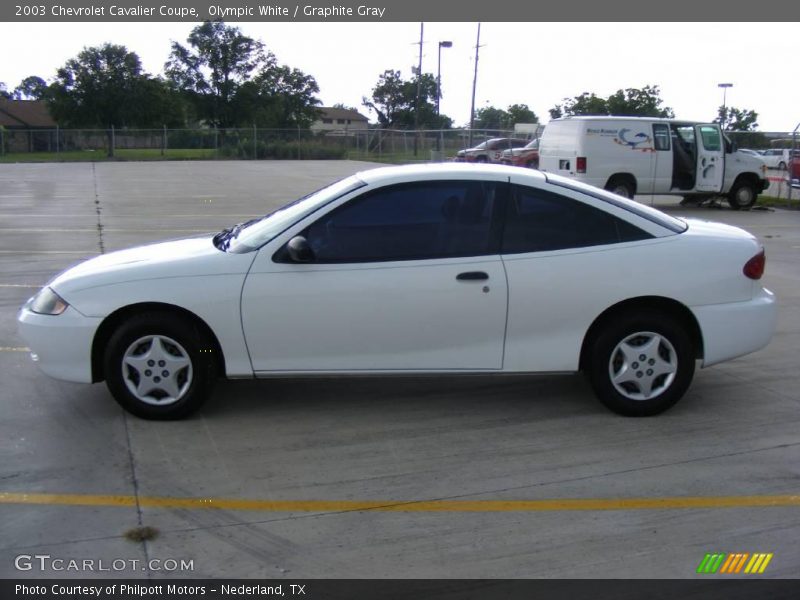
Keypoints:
pixel 548 396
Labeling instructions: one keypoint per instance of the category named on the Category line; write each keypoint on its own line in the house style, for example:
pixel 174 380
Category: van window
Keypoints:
pixel 661 136
pixel 711 137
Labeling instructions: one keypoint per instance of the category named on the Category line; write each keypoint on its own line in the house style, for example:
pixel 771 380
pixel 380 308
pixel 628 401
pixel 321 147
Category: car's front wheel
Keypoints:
pixel 641 364
pixel 159 366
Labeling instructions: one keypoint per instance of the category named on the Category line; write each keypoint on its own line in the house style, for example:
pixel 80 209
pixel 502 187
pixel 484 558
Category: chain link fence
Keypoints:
pixel 381 145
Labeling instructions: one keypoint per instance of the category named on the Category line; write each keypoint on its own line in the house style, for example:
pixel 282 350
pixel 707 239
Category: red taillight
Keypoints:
pixel 754 268
pixel 580 164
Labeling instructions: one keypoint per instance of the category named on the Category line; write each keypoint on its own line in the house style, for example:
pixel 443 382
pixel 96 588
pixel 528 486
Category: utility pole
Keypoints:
pixel 419 88
pixel 474 84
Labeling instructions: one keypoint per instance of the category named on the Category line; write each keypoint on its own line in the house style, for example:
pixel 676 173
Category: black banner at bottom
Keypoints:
pixel 391 589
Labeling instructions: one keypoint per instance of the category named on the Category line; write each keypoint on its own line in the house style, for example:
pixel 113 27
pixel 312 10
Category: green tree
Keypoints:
pixel 521 113
pixel 4 93
pixel 105 86
pixel 232 79
pixel 736 119
pixel 278 97
pixel 31 88
pixel 635 102
pixel 490 117
pixel 630 102
pixel 394 100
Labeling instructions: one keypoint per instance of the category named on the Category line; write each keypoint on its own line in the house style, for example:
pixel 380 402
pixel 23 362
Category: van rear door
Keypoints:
pixel 710 158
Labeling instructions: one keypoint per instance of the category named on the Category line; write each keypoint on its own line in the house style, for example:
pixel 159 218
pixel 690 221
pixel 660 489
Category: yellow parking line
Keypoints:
pixel 564 504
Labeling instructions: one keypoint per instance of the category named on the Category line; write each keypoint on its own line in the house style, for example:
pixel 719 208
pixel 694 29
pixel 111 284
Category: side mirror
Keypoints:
pixel 299 250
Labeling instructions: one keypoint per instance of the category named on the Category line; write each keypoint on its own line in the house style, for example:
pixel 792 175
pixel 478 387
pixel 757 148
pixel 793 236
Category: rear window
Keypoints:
pixel 640 210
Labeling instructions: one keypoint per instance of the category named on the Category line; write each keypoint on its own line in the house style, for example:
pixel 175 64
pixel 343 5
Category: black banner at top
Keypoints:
pixel 393 11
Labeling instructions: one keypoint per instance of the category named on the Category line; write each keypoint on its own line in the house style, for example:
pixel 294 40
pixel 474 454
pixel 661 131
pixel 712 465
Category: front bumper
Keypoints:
pixel 61 345
pixel 736 328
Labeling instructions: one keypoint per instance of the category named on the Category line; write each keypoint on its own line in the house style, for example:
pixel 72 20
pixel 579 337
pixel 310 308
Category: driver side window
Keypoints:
pixel 407 222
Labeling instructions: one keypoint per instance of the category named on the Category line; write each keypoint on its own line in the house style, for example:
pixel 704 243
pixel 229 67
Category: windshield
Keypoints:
pixel 253 234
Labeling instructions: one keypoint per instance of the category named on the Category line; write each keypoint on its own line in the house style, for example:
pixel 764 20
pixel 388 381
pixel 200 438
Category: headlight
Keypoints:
pixel 47 302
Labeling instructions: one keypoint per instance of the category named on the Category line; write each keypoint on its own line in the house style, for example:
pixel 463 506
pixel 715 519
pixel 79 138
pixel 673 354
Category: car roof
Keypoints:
pixel 441 171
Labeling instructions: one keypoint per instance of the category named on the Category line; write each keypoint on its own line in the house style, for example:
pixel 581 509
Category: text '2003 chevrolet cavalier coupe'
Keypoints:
pixel 436 269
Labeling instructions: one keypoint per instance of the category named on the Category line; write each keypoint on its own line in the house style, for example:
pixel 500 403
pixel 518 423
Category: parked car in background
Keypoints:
pixel 756 153
pixel 527 156
pixel 502 270
pixel 489 151
pixel 776 158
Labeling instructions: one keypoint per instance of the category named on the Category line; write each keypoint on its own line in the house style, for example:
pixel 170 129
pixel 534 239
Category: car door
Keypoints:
pixel 405 277
pixel 566 262
pixel 710 158
pixel 662 166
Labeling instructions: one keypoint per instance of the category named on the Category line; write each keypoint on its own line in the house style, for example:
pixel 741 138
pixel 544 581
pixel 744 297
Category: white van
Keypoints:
pixel 643 155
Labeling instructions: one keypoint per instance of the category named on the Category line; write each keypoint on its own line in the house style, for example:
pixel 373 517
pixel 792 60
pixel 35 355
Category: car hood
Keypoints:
pixel 178 258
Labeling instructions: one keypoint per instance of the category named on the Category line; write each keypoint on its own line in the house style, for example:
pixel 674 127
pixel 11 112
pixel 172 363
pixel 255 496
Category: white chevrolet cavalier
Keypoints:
pixel 443 269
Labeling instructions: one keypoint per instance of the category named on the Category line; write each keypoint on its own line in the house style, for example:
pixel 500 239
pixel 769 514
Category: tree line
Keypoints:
pixel 223 78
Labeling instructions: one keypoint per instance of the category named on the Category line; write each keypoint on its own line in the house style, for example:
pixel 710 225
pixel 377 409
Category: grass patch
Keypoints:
pixel 772 201
pixel 141 534
pixel 121 154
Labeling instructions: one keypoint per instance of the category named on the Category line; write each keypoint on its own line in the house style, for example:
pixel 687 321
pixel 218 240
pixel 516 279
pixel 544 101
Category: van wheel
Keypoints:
pixel 743 195
pixel 641 364
pixel 481 159
pixel 620 187
pixel 782 166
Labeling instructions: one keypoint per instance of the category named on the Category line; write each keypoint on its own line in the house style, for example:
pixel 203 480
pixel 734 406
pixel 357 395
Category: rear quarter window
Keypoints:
pixel 539 221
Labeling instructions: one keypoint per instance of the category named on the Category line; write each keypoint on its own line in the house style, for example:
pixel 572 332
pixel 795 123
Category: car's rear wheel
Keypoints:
pixel 481 159
pixel 159 366
pixel 641 364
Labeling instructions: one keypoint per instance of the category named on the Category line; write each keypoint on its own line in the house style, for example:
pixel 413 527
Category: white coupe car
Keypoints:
pixel 446 268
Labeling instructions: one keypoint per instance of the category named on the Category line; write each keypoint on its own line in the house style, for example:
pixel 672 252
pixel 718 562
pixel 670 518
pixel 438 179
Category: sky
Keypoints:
pixel 537 64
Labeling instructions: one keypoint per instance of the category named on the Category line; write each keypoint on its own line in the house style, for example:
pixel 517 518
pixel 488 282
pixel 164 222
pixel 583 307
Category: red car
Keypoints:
pixel 794 166
pixel 527 156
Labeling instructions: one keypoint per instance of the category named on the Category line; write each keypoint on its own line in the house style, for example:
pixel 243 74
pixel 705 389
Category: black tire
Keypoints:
pixel 742 196
pixel 183 348
pixel 620 187
pixel 782 166
pixel 481 159
pixel 606 358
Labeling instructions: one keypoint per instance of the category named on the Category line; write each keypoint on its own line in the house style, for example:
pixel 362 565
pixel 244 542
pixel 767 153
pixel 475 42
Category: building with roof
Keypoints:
pixel 26 125
pixel 339 121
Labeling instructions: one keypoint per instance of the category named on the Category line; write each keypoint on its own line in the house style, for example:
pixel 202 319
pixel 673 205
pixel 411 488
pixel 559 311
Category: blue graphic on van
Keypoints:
pixel 638 139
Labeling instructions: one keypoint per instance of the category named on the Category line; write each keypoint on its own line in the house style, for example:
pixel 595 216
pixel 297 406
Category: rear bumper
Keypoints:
pixel 736 328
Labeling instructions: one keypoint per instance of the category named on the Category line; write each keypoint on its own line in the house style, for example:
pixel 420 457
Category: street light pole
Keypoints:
pixel 724 87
